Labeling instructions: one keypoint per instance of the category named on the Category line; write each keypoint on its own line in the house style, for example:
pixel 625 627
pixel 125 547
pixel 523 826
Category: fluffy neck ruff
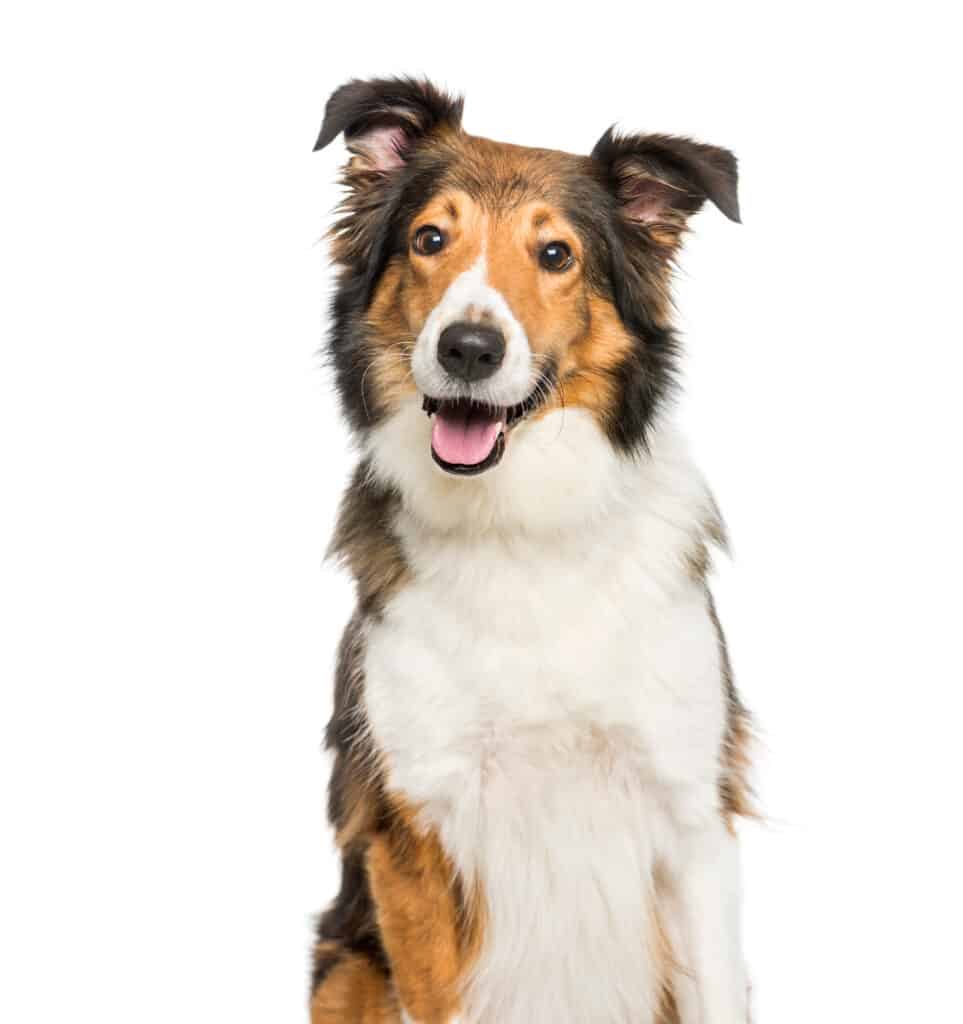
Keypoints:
pixel 560 474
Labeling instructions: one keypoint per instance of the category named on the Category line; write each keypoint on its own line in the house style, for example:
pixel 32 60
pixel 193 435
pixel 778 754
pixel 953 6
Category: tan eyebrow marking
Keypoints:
pixel 451 210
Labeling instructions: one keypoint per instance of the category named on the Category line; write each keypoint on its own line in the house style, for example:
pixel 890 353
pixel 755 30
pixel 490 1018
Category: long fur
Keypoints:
pixel 539 748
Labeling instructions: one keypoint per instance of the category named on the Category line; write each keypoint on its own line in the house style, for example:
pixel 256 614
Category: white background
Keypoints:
pixel 172 458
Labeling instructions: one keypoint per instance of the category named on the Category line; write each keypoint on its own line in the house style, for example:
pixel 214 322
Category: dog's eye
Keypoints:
pixel 428 240
pixel 555 256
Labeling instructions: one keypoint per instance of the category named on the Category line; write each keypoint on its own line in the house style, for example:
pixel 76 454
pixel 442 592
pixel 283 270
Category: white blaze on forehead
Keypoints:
pixel 471 298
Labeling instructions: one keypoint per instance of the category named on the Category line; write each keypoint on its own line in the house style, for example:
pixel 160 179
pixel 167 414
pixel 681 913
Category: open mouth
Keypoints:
pixel 469 437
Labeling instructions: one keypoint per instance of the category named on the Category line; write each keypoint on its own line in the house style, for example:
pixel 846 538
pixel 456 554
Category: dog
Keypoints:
pixel 539 754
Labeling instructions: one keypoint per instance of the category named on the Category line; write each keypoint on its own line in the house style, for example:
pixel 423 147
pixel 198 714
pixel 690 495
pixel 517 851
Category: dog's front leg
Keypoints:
pixel 703 922
pixel 406 1018
pixel 428 927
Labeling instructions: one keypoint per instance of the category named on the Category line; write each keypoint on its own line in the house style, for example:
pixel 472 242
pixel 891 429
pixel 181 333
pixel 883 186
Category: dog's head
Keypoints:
pixel 491 284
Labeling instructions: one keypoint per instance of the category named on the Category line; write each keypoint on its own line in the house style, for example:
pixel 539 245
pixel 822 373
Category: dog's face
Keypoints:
pixel 494 283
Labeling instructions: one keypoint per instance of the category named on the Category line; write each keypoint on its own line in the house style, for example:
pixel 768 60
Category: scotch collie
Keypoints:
pixel 539 752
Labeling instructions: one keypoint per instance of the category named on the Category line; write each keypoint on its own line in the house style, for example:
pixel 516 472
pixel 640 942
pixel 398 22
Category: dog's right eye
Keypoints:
pixel 428 240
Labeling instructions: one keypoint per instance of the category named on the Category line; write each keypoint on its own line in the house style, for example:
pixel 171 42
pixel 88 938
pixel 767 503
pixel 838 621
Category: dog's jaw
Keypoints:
pixel 561 472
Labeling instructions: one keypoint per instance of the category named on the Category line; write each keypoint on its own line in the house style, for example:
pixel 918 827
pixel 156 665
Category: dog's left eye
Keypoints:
pixel 555 256
pixel 428 240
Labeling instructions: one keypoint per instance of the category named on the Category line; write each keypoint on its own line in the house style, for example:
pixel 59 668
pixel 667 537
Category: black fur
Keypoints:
pixel 350 923
pixel 624 267
pixel 694 171
pixel 625 263
pixel 376 211
pixel 415 105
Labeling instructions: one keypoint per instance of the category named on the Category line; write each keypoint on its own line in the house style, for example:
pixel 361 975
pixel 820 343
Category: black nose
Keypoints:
pixel 471 351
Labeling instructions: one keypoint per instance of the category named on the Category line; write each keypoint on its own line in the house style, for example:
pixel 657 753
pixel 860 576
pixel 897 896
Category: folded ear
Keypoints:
pixel 662 179
pixel 383 118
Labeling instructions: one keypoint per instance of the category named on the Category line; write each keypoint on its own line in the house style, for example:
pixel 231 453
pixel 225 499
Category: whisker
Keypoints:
pixel 390 357
pixel 364 401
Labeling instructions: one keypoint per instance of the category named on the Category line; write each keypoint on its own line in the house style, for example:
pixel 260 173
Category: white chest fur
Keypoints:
pixel 553 700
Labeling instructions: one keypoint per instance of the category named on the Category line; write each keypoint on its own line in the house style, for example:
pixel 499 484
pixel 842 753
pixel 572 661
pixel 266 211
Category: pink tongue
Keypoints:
pixel 462 438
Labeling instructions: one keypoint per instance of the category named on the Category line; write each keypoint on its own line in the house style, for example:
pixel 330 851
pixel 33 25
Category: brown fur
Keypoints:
pixel 402 903
pixel 365 542
pixel 586 367
pixel 403 928
pixel 699 557
pixel 554 309
pixel 354 992
pixel 355 791
pixel 666 966
pixel 738 799
pixel 430 929
pixel 391 341
pixel 735 790
pixel 495 202
pixel 431 932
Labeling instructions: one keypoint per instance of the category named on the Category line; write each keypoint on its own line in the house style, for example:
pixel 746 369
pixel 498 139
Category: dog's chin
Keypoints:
pixel 469 438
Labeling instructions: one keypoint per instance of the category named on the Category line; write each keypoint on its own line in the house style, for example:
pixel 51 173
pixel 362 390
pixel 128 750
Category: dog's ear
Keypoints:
pixel 382 119
pixel 660 180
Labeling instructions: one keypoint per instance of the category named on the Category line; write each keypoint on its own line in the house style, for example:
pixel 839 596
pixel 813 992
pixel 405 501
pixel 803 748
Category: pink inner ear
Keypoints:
pixel 382 147
pixel 650 200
